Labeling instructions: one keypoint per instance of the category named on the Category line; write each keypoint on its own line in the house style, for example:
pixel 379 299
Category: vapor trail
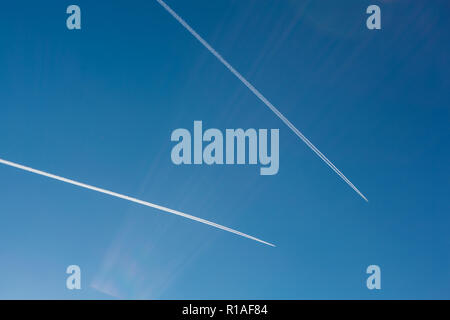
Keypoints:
pixel 121 196
pixel 259 95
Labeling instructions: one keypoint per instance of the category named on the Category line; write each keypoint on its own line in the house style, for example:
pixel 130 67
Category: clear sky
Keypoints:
pixel 99 105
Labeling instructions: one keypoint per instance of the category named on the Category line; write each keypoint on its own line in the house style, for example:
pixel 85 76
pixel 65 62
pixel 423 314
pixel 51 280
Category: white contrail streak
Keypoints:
pixel 121 196
pixel 259 95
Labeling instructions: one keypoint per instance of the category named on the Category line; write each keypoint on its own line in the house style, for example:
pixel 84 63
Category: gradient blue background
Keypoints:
pixel 98 105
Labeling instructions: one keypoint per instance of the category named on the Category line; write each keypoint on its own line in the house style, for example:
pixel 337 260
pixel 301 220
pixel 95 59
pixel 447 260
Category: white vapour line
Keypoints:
pixel 121 196
pixel 259 95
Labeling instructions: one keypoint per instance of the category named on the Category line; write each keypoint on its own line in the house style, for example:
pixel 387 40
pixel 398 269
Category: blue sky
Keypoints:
pixel 98 105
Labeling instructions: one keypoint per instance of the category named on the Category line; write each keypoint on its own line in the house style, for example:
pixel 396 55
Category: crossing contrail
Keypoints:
pixel 121 196
pixel 259 95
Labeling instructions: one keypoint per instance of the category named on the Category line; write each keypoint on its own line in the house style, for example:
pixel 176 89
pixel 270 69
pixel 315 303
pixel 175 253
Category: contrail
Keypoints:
pixel 259 95
pixel 121 196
